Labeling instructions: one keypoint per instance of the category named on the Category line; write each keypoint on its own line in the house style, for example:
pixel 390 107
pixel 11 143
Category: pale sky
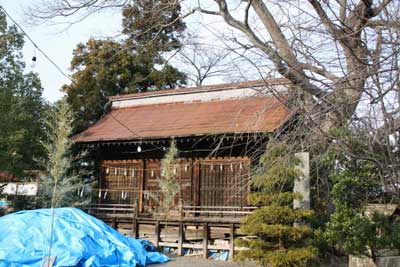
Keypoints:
pixel 58 43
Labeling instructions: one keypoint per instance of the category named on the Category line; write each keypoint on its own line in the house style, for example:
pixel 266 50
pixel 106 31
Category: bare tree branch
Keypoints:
pixel 383 23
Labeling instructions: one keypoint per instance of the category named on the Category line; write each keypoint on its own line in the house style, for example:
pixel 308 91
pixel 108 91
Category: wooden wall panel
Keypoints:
pixel 204 182
pixel 152 174
pixel 120 181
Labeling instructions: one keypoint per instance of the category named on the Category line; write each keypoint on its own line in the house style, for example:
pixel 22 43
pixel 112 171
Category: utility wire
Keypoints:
pixel 36 46
pixel 48 260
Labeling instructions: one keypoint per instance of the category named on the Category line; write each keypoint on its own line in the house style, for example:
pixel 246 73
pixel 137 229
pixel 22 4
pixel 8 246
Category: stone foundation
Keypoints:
pixel 389 261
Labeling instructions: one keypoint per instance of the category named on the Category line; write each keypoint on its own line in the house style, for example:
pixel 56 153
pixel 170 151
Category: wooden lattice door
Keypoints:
pixel 183 172
pixel 151 176
pixel 224 182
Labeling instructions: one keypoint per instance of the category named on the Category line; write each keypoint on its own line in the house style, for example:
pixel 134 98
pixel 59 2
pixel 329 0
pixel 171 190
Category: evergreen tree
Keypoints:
pixel 168 185
pixel 135 64
pixel 349 229
pixel 144 22
pixel 60 186
pixel 278 242
pixel 22 106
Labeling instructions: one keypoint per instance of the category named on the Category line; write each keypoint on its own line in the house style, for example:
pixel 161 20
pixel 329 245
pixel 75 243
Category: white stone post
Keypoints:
pixel 302 184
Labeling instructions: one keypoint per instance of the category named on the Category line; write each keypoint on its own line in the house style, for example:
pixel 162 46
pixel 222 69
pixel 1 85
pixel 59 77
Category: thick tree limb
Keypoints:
pixel 283 47
pixel 333 30
pixel 283 65
pixel 377 10
pixel 383 23
pixel 319 70
pixel 343 10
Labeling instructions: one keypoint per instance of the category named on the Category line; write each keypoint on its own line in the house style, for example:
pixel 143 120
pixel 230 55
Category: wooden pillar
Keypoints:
pixel 196 183
pixel 181 208
pixel 157 232
pixel 99 161
pixel 231 241
pixel 205 240
pixel 114 222
pixel 142 187
pixel 135 208
pixel 180 238
pixel 135 227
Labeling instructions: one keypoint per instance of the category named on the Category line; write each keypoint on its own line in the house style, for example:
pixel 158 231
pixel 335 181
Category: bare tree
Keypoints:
pixel 203 63
pixel 79 9
pixel 341 57
pixel 333 84
pixel 354 28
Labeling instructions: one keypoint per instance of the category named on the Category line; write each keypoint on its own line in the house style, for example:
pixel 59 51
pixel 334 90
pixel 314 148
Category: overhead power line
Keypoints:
pixel 35 45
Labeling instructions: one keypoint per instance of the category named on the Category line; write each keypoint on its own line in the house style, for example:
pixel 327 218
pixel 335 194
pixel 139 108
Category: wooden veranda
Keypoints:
pixel 198 228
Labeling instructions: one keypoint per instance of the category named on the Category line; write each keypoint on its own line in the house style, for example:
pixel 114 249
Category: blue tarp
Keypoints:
pixel 3 203
pixel 78 240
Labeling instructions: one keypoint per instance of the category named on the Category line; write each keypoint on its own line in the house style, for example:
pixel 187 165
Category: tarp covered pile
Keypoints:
pixel 78 239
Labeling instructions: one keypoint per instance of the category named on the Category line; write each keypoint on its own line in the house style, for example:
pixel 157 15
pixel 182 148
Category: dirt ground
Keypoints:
pixel 190 261
pixel 177 261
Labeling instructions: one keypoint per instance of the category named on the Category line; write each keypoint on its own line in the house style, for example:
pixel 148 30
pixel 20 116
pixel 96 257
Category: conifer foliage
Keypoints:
pixel 22 106
pixel 169 187
pixel 276 241
pixel 134 63
pixel 350 228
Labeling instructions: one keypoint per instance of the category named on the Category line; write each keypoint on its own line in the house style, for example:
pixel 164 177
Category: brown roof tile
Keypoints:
pixel 261 114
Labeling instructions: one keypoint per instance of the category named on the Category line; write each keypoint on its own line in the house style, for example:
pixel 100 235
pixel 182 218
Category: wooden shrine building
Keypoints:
pixel 218 130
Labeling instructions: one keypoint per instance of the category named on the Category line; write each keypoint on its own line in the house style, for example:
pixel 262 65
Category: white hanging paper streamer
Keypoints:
pixel 126 172
pixel 174 170
pixel 107 170
pixel 152 173
pixel 241 166
pixel 105 195
pixel 186 168
pixel 81 195
pixel 220 167
pixel 100 194
pixel 122 194
pixel 231 167
pixel 133 172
